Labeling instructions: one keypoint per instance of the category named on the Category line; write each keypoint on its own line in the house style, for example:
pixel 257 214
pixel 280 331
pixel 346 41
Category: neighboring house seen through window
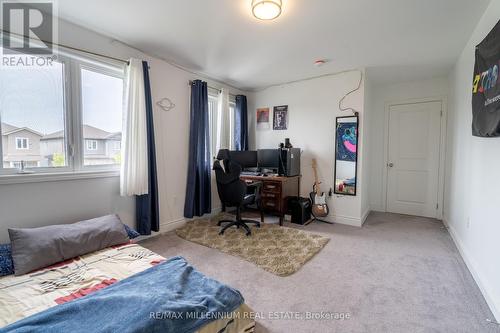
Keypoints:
pixel 62 117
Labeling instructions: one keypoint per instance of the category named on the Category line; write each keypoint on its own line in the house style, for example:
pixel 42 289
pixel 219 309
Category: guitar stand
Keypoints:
pixel 319 220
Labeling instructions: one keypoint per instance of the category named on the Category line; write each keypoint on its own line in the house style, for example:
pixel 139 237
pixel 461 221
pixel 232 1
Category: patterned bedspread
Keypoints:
pixel 28 294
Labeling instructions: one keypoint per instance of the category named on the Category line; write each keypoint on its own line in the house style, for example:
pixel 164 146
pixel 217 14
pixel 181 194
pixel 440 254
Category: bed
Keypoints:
pixel 30 295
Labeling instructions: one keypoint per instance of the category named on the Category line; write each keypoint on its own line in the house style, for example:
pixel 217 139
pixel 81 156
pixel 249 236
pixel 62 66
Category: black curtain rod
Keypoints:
pixel 70 47
pixel 213 88
pixel 191 83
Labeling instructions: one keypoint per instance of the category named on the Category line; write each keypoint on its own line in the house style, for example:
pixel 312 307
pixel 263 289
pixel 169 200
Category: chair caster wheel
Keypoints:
pixel 221 233
pixel 248 234
pixel 258 225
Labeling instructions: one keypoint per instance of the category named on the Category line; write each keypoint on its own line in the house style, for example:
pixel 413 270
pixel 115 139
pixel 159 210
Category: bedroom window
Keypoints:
pixel 32 111
pixel 102 102
pixel 213 105
pixel 221 130
pixel 63 117
pixel 232 106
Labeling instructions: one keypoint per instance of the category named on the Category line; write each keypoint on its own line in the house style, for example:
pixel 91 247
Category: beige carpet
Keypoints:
pixel 396 274
pixel 278 250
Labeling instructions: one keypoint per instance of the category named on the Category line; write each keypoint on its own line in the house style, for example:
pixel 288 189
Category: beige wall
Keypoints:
pixel 69 201
pixel 312 108
pixel 379 96
pixel 471 195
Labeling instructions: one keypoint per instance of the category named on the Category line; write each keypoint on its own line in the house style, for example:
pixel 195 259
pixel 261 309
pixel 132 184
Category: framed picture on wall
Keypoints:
pixel 263 118
pixel 280 118
pixel 262 115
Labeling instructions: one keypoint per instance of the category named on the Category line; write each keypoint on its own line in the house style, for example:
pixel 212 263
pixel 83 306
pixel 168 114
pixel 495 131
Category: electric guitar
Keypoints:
pixel 318 198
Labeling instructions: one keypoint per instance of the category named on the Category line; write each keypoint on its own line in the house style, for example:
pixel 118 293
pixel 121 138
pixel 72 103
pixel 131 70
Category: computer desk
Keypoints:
pixel 274 192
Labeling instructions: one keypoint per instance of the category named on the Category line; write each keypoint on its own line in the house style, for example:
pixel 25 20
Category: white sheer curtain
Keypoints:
pixel 223 121
pixel 134 169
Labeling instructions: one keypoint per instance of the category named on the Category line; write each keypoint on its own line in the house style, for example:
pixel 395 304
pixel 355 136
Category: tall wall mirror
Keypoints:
pixel 346 155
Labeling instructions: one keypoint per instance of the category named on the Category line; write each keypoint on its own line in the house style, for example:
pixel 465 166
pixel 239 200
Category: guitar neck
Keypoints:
pixel 316 181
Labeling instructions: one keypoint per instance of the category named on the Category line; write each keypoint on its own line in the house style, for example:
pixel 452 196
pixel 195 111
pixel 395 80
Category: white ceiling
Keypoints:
pixel 401 39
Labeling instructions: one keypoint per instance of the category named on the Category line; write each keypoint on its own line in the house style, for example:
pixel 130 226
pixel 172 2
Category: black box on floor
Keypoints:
pixel 300 209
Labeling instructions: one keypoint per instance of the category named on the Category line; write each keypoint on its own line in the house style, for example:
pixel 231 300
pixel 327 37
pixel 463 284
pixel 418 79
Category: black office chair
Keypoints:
pixel 234 192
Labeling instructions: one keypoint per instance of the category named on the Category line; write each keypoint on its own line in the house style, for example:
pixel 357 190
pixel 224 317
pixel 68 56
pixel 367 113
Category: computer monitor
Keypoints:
pixel 246 159
pixel 268 158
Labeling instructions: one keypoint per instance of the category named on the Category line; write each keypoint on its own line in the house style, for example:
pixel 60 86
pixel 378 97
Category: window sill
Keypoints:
pixel 56 176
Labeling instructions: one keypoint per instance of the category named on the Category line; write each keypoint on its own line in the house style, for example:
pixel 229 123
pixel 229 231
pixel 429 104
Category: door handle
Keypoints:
pixel 390 164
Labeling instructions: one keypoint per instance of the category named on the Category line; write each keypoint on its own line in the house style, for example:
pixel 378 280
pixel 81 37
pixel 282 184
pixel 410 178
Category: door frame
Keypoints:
pixel 442 147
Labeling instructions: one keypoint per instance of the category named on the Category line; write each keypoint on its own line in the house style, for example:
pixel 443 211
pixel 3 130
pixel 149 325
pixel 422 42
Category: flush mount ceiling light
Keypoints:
pixel 266 9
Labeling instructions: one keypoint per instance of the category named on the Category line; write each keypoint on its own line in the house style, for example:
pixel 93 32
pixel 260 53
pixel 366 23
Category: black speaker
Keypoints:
pixel 300 209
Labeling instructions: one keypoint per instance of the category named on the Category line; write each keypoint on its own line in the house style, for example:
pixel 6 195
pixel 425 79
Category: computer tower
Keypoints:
pixel 289 162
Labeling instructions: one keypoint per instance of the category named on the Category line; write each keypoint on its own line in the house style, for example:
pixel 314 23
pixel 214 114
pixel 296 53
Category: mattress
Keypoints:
pixel 22 296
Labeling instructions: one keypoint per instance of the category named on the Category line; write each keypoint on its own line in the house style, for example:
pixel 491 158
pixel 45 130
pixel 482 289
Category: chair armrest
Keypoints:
pixel 255 188
pixel 256 183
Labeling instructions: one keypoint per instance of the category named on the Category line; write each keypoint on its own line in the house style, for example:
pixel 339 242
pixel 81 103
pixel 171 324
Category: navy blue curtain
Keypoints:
pixel 147 207
pixel 198 189
pixel 241 123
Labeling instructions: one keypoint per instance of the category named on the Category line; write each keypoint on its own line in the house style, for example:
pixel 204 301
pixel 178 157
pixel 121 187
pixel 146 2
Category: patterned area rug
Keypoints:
pixel 278 250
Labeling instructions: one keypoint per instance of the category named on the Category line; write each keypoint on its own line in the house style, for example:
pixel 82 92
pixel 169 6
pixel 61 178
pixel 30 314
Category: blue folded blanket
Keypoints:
pixel 169 297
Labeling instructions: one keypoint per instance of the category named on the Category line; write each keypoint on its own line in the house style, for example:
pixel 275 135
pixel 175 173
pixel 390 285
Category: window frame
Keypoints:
pixel 22 139
pixel 232 110
pixel 214 118
pixel 92 144
pixel 213 123
pixel 73 62
pixel 117 72
pixel 8 173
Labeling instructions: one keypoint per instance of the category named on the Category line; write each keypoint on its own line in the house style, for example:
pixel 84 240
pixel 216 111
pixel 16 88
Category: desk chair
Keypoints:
pixel 234 192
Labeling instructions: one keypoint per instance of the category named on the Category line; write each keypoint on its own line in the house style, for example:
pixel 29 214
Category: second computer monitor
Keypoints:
pixel 268 158
pixel 246 159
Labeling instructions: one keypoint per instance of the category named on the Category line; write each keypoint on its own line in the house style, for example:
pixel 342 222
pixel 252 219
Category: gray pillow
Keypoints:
pixel 39 247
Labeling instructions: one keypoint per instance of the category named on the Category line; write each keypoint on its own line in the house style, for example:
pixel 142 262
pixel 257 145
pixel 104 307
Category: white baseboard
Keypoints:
pixel 341 219
pixel 347 220
pixel 482 283
pixel 365 216
pixel 174 224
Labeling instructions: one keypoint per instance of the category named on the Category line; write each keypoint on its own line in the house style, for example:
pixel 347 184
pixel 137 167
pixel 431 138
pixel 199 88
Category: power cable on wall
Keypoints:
pixel 342 109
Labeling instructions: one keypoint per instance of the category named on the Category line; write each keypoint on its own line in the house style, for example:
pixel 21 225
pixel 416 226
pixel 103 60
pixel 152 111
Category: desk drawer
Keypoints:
pixel 270 195
pixel 271 187
pixel 271 204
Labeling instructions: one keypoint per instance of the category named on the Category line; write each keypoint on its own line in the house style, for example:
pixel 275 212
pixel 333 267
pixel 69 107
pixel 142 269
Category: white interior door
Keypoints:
pixel 413 158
